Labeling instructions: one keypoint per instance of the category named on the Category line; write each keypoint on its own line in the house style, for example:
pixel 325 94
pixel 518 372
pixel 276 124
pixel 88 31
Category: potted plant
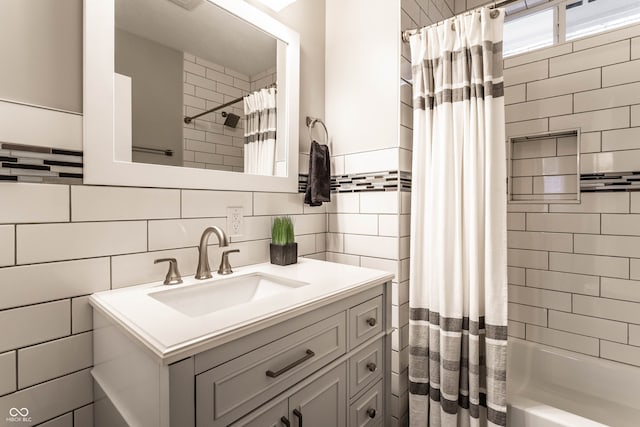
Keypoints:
pixel 283 248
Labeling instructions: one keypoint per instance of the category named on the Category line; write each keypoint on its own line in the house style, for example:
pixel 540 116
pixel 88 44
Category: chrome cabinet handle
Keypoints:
pixel 371 367
pixel 371 321
pixel 285 421
pixel 371 413
pixel 308 355
pixel 299 415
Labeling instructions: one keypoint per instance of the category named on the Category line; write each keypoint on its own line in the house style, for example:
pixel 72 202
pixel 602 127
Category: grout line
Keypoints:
pixel 16 373
pixel 86 368
pixel 15 244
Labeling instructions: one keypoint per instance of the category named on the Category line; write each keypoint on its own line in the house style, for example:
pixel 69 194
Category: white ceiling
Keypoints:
pixel 205 31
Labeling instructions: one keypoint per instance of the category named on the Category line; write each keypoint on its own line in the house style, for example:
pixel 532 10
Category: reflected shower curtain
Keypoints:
pixel 260 132
pixel 458 288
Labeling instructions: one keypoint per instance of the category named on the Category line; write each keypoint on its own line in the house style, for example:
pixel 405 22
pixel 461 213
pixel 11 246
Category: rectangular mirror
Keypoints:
pixel 190 94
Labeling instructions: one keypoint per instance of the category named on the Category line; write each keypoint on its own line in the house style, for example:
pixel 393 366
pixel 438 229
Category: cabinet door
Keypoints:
pixel 272 415
pixel 368 410
pixel 323 402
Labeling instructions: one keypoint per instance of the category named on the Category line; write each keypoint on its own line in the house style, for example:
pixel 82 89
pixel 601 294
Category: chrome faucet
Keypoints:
pixel 204 271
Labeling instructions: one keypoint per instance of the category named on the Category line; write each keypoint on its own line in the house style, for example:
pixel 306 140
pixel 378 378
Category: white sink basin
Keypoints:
pixel 214 295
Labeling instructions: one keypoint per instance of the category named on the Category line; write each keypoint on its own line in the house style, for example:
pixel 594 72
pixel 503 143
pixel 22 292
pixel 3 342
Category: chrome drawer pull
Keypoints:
pixel 371 366
pixel 309 354
pixel 285 421
pixel 371 321
pixel 371 413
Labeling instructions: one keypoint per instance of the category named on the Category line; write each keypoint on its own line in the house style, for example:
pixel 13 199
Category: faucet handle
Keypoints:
pixel 225 267
pixel 173 275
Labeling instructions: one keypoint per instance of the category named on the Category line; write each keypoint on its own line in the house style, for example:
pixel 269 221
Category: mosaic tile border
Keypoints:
pixel 391 180
pixel 621 181
pixel 24 163
pixel 364 182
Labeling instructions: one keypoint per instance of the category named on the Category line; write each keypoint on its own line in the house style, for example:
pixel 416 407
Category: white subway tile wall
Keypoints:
pixel 365 229
pixel 581 300
pixel 60 243
pixel 572 266
pixel 207 142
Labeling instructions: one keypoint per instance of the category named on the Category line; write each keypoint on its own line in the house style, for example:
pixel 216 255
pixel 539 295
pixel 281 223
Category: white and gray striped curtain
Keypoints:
pixel 260 132
pixel 458 288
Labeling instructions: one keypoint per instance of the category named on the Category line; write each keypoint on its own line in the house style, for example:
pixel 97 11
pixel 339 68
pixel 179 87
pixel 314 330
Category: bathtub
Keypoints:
pixel 550 387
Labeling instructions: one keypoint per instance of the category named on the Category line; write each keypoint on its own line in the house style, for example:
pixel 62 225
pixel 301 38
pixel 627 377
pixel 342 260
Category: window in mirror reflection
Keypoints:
pixel 198 60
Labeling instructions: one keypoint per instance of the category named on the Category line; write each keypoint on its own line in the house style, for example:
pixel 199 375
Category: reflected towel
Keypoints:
pixel 319 182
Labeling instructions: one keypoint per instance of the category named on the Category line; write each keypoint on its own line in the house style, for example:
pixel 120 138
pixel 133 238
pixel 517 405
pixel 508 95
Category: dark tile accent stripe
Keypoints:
pixel 615 181
pixel 70 175
pixel 349 183
pixel 58 163
pixel 66 152
pixel 33 149
pixel 24 163
pixel 25 166
pixel 589 183
pixel 364 182
pixel 399 180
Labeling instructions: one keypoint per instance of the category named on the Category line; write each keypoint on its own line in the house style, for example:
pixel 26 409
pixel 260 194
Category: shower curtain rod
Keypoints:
pixel 189 119
pixel 408 33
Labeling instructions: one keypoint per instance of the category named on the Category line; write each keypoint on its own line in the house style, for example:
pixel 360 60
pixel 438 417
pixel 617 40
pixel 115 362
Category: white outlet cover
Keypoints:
pixel 235 221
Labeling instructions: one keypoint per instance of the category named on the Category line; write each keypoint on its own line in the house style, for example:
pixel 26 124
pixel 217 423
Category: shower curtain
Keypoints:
pixel 458 281
pixel 260 132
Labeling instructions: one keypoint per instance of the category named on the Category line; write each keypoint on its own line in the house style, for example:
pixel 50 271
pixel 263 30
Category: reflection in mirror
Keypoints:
pixel 202 87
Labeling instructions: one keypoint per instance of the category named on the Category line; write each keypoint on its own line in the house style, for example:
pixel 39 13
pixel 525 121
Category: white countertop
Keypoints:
pixel 171 335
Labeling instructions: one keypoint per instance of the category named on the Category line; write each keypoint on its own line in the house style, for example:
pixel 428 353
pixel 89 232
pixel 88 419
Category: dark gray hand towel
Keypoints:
pixel 319 182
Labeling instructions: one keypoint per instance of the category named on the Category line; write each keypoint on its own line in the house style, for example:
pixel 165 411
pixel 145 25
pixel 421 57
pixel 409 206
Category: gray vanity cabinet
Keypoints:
pixel 326 367
pixel 269 416
pixel 322 403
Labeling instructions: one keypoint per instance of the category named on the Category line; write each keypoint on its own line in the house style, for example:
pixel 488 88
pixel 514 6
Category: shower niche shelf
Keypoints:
pixel 544 167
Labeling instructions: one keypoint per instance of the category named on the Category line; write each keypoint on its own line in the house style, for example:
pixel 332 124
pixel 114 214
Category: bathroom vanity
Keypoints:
pixel 307 344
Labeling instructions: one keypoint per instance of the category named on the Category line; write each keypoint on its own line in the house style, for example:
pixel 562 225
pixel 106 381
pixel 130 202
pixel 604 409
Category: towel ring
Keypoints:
pixel 311 123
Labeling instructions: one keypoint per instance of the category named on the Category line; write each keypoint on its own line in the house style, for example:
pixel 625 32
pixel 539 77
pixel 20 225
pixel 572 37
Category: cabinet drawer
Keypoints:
pixel 368 409
pixel 365 366
pixel 365 320
pixel 235 388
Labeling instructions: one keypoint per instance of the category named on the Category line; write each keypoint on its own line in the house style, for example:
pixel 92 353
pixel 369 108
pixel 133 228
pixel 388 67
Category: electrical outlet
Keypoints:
pixel 235 221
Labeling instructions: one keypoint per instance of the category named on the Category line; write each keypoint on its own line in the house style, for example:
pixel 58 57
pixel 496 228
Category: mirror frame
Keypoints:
pixel 100 166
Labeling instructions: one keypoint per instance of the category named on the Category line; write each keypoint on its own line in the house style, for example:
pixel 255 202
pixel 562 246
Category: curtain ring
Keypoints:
pixel 494 13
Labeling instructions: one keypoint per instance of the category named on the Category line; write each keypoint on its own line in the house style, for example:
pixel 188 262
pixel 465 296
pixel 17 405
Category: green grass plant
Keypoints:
pixel 282 231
